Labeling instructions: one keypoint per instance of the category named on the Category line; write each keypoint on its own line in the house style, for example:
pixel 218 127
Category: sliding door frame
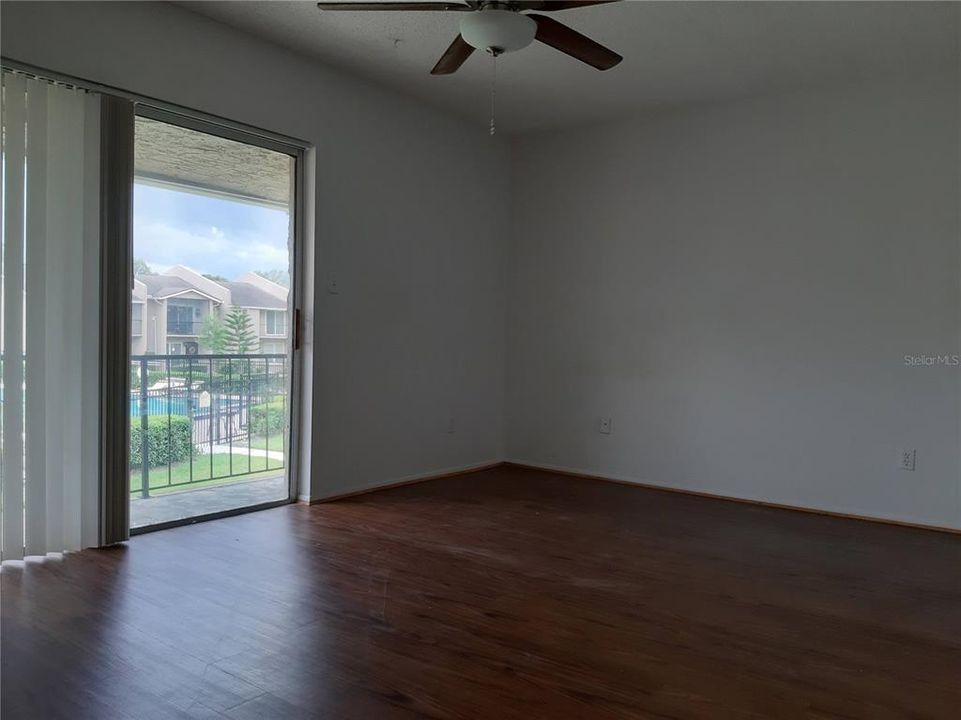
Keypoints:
pixel 116 231
pixel 199 122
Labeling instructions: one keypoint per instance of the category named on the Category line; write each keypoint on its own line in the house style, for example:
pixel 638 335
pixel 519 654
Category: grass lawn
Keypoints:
pixel 276 442
pixel 219 464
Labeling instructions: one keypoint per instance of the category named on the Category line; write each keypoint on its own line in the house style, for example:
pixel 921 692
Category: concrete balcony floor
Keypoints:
pixel 187 503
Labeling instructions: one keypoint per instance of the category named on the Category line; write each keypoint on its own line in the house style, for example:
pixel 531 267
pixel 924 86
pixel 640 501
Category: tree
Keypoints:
pixel 275 276
pixel 213 335
pixel 140 267
pixel 215 277
pixel 239 332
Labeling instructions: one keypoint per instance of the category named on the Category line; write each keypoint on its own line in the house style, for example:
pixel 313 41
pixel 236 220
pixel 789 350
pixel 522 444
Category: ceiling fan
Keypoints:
pixel 499 27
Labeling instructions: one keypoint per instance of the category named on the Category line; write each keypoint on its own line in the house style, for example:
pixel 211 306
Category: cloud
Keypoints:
pixel 162 245
pixel 210 235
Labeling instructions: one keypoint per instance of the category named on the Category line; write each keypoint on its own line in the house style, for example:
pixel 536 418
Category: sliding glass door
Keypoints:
pixel 213 321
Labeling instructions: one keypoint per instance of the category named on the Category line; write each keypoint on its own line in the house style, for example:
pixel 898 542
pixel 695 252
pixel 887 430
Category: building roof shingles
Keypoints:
pixel 241 293
pixel 161 286
pixel 247 295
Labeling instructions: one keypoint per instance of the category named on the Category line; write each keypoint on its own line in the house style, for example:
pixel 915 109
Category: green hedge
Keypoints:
pixel 268 418
pixel 164 444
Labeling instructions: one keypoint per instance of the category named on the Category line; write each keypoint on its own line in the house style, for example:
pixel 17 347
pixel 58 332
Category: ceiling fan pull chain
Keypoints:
pixel 493 90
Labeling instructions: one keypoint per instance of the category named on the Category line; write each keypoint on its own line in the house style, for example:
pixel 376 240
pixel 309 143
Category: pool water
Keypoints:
pixel 160 406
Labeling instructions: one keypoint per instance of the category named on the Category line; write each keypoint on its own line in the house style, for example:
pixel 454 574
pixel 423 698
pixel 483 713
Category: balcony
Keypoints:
pixel 184 328
pixel 208 434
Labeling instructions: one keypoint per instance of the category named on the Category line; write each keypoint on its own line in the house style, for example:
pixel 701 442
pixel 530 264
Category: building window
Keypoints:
pixel 275 322
pixel 136 319
pixel 184 317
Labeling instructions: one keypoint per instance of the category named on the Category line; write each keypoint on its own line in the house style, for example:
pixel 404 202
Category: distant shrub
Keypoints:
pixel 268 418
pixel 165 443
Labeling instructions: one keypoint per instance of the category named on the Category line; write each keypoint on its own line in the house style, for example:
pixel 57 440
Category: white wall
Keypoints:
pixel 411 215
pixel 737 286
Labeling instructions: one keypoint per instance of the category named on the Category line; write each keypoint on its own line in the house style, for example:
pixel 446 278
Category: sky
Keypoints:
pixel 209 235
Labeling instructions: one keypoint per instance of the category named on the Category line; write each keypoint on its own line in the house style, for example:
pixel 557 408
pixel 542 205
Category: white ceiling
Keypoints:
pixel 674 52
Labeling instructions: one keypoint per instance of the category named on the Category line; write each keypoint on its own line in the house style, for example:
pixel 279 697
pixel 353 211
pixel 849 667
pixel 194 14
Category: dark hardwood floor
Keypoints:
pixel 507 593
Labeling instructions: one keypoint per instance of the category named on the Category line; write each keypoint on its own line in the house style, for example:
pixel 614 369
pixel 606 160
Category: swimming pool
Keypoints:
pixel 161 406
pixel 180 405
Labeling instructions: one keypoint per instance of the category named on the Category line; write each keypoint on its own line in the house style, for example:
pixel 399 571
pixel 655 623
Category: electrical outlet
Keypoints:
pixel 907 459
pixel 451 425
pixel 605 426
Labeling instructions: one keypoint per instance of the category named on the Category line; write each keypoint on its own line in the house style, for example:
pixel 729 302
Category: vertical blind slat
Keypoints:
pixel 73 339
pixel 58 230
pixel 90 329
pixel 13 241
pixel 35 504
pixel 3 124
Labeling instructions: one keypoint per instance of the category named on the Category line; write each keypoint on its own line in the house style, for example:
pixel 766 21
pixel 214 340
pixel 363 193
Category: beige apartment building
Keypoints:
pixel 169 310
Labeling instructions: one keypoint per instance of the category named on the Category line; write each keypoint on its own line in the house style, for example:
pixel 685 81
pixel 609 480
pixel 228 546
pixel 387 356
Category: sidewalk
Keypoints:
pixel 241 449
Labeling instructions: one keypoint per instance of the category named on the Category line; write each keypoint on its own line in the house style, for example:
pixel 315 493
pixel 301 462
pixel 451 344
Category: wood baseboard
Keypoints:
pixel 728 498
pixel 402 483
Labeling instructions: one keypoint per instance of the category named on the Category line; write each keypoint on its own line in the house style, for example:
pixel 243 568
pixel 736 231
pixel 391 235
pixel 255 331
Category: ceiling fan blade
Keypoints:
pixel 393 6
pixel 453 57
pixel 555 5
pixel 568 41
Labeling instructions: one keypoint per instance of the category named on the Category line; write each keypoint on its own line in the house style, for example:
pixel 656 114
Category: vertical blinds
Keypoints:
pixel 50 318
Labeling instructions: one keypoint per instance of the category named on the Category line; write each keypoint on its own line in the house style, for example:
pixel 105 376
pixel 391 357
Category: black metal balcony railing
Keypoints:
pixel 205 418
pixel 184 327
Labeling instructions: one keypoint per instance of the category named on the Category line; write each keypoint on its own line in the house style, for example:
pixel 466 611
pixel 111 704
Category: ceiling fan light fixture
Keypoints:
pixel 497 31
